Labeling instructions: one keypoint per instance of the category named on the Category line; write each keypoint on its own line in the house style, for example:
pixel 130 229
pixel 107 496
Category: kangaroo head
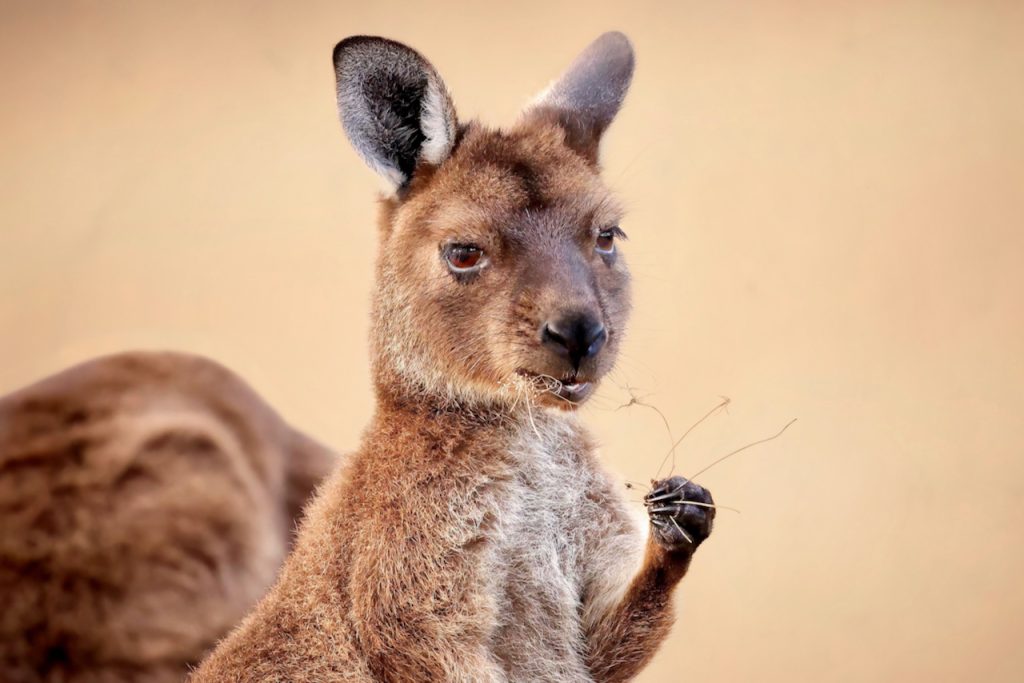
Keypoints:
pixel 499 275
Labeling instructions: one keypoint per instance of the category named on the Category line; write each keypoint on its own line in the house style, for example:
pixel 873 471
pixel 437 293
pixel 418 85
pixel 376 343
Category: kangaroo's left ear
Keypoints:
pixel 585 99
pixel 393 106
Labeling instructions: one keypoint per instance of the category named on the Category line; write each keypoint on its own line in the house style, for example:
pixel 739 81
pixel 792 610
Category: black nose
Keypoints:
pixel 575 337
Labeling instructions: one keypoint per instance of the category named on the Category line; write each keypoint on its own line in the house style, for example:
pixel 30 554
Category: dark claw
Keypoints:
pixel 676 524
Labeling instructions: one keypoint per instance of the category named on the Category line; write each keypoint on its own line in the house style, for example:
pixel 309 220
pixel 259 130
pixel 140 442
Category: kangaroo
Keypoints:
pixel 147 501
pixel 474 536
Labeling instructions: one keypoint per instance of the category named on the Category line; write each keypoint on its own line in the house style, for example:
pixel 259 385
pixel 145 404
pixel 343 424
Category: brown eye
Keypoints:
pixel 606 240
pixel 463 257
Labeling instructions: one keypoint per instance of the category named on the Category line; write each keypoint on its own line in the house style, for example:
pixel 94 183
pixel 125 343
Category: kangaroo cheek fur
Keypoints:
pixel 474 535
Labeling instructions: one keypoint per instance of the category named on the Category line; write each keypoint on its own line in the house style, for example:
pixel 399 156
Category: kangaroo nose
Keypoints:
pixel 576 337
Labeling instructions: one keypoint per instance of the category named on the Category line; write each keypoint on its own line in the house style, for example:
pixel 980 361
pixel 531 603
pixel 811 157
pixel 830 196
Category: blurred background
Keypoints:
pixel 826 223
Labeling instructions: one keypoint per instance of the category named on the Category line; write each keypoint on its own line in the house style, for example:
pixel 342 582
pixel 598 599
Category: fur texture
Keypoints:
pixel 590 92
pixel 474 536
pixel 146 502
pixel 393 106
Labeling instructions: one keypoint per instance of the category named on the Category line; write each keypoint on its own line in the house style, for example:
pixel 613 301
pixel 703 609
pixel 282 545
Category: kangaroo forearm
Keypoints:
pixel 623 641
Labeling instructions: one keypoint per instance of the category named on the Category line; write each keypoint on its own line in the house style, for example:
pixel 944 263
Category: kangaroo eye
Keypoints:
pixel 464 257
pixel 606 240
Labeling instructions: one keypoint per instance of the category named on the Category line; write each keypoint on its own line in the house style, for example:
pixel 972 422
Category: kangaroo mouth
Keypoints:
pixel 568 391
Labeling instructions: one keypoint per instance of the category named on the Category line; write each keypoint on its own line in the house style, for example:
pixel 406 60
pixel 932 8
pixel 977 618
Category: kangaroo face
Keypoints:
pixel 499 271
pixel 508 253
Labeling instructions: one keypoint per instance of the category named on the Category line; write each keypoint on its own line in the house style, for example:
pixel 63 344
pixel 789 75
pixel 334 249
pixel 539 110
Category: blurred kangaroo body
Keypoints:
pixel 147 501
pixel 474 535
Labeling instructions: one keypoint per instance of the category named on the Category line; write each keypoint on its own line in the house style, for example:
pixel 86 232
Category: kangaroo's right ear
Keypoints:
pixel 393 106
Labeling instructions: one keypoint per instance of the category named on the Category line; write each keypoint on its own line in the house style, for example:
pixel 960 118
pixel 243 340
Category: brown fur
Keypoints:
pixel 474 536
pixel 146 502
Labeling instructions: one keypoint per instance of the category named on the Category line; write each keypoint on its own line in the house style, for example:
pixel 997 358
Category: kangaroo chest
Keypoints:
pixel 537 560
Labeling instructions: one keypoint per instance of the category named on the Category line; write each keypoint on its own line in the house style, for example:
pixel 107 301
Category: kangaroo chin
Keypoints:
pixel 474 535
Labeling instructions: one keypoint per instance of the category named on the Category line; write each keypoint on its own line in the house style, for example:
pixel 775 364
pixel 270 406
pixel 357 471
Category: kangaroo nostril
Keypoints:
pixel 550 335
pixel 598 337
pixel 577 337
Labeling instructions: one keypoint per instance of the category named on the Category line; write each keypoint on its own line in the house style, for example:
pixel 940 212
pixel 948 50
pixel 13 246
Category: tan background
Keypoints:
pixel 826 223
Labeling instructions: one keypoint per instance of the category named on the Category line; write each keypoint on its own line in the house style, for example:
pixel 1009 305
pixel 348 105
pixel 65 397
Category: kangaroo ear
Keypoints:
pixel 393 106
pixel 587 96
